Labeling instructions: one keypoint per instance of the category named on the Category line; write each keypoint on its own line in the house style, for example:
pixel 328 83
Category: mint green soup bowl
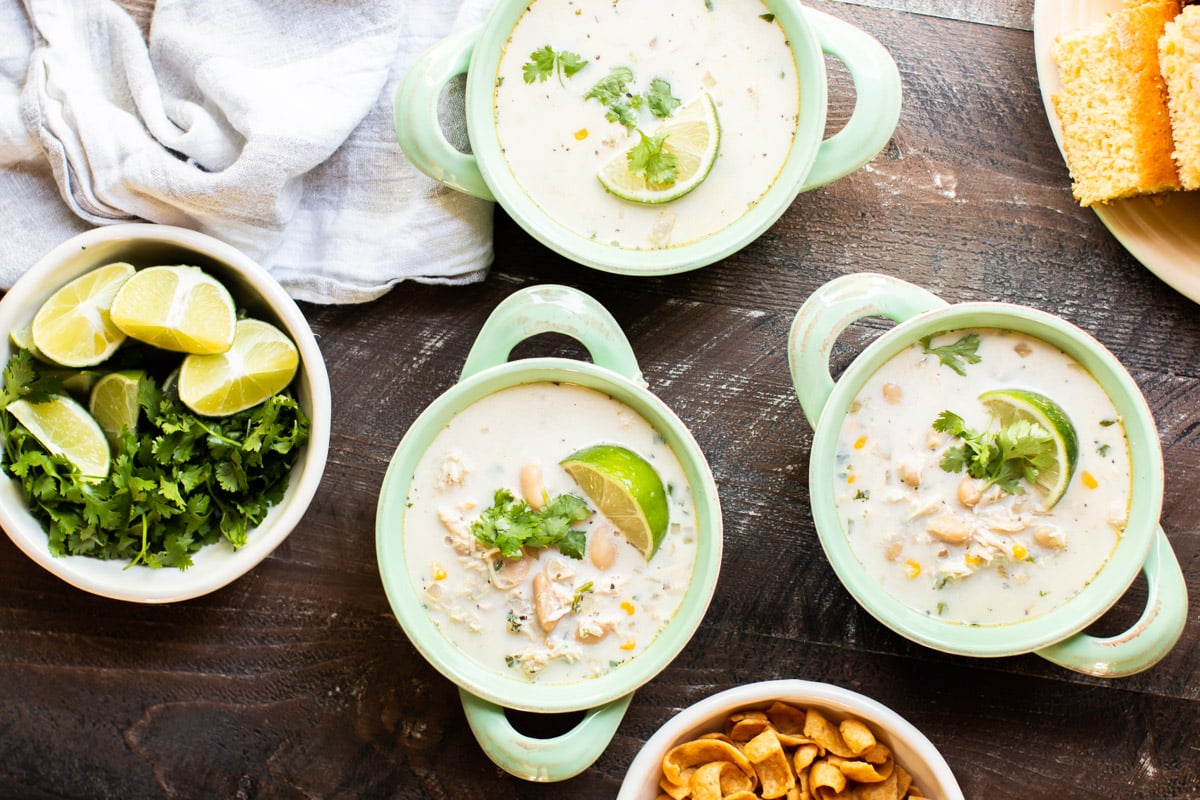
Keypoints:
pixel 811 160
pixel 1058 634
pixel 485 693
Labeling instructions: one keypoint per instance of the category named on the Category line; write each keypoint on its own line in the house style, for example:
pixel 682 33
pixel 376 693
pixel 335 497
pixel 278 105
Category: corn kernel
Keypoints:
pixel 850 478
pixel 974 560
pixel 1089 480
pixel 912 568
pixel 1019 551
pixel 860 443
pixel 439 572
pixel 628 644
pixel 581 134
pixel 627 607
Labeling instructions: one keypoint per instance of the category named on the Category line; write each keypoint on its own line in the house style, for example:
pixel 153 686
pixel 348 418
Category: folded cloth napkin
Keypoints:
pixel 265 123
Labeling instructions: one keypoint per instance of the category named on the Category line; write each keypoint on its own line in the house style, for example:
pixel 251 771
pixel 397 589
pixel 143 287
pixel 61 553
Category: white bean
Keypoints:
pixel 948 529
pixel 532 488
pixel 602 548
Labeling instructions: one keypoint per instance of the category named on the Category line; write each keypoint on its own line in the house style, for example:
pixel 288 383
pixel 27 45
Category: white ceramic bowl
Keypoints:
pixel 911 748
pixel 253 288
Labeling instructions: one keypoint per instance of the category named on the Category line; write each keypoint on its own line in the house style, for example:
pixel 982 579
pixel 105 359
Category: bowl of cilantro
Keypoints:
pixel 165 412
pixel 986 478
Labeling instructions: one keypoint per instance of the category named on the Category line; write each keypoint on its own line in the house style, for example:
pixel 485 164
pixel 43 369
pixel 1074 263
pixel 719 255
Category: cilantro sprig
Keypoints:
pixel 178 484
pixel 650 162
pixel 954 354
pixel 547 61
pixel 1018 451
pixel 614 93
pixel 510 524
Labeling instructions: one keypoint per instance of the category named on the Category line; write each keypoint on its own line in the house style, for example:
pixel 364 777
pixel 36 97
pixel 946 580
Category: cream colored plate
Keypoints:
pixel 1162 232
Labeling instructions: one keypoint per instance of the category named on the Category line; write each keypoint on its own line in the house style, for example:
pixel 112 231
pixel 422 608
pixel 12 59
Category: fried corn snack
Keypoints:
pixel 785 752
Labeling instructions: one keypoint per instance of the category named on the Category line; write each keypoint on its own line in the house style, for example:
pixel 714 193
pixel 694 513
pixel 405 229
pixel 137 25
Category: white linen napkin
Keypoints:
pixel 265 123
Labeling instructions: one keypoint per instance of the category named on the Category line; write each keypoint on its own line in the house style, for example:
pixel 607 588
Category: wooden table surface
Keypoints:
pixel 296 681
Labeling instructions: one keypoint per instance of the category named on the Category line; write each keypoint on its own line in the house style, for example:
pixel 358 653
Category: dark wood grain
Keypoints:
pixel 296 681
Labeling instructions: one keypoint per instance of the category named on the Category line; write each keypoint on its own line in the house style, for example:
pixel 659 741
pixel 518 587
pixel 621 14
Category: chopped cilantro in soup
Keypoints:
pixel 514 563
pixel 983 476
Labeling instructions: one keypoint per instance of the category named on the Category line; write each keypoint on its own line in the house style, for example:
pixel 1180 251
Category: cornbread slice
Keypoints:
pixel 1179 57
pixel 1113 106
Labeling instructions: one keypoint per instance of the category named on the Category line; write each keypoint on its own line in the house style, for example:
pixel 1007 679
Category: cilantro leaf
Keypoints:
pixel 547 61
pixel 953 355
pixel 612 87
pixel 647 159
pixel 510 524
pixel 1013 453
pixel 659 99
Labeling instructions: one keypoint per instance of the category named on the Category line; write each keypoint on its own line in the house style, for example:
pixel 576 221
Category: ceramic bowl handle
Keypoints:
pixel 417 124
pixel 877 99
pixel 828 312
pixel 545 760
pixel 1149 639
pixel 553 309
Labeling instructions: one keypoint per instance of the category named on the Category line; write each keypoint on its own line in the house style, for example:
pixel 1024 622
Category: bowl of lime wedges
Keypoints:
pixel 548 533
pixel 647 138
pixel 165 413
pixel 986 478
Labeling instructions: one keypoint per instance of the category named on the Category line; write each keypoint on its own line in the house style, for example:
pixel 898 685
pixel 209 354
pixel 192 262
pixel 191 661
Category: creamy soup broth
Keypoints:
pixel 489 613
pixel 554 140
pixel 893 497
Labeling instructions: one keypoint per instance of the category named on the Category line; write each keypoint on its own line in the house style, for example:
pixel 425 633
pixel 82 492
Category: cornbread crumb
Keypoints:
pixel 1113 105
pixel 1179 57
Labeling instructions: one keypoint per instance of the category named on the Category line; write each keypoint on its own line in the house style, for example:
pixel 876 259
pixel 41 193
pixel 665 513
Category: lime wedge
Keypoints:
pixel 261 362
pixel 1008 405
pixel 693 136
pixel 176 308
pixel 626 489
pixel 73 327
pixel 65 428
pixel 113 402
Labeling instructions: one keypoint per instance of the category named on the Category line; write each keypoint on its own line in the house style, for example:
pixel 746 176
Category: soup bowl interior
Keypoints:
pixel 254 290
pixel 1124 562
pixel 543 224
pixel 405 597
pixel 911 748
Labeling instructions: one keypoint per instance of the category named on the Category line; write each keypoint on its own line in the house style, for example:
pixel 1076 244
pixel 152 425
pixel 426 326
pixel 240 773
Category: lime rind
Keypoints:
pixel 261 362
pixel 693 136
pixel 113 402
pixel 1008 405
pixel 627 489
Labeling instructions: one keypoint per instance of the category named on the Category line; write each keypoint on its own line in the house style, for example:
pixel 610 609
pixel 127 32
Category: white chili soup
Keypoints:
pixel 580 82
pixel 516 564
pixel 982 476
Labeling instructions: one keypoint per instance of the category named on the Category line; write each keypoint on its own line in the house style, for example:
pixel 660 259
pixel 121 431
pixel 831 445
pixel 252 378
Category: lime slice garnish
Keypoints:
pixel 1009 405
pixel 261 362
pixel 693 136
pixel 113 403
pixel 65 428
pixel 73 327
pixel 626 490
pixel 176 308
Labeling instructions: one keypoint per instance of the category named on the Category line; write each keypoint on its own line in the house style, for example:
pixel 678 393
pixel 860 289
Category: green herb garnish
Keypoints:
pixel 510 524
pixel 953 355
pixel 767 17
pixel 547 61
pixel 1017 451
pixel 577 600
pixel 659 99
pixel 614 93
pixel 647 159
pixel 180 483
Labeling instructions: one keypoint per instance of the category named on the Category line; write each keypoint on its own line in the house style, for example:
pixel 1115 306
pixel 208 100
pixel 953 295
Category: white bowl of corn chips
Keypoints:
pixel 772 738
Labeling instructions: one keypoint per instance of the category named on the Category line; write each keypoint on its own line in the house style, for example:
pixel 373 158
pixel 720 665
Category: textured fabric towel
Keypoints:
pixel 265 123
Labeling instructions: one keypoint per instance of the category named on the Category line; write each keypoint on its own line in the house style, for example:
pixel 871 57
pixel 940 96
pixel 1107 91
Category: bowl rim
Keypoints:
pixel 788 183
pixel 911 747
pixel 1123 564
pixel 403 595
pixel 216 565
